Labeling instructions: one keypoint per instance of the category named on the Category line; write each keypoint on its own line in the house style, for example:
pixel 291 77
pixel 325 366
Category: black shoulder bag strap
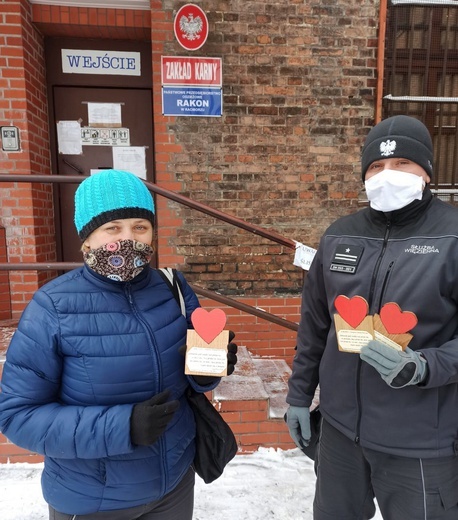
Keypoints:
pixel 170 277
pixel 215 442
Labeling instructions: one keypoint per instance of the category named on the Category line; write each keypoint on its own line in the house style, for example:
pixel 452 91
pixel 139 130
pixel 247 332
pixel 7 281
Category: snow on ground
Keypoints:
pixel 268 484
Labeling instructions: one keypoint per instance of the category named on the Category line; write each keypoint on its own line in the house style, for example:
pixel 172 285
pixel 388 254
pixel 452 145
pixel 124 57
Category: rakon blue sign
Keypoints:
pixel 192 101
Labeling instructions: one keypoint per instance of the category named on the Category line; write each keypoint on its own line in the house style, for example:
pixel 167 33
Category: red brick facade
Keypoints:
pixel 26 210
pixel 298 94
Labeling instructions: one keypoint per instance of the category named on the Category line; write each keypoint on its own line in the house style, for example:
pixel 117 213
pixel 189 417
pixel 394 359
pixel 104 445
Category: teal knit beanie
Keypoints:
pixel 110 195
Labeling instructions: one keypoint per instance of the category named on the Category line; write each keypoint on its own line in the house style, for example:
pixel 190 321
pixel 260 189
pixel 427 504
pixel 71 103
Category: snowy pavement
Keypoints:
pixel 268 484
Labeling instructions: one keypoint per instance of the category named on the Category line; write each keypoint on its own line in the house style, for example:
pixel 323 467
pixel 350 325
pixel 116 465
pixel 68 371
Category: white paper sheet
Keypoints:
pixel 304 256
pixel 104 114
pixel 69 137
pixel 131 159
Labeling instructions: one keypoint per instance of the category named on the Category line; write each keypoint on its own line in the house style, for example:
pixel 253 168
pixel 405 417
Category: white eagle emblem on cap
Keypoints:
pixel 387 148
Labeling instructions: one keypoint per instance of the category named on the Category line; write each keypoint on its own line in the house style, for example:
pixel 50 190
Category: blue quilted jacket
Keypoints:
pixel 86 350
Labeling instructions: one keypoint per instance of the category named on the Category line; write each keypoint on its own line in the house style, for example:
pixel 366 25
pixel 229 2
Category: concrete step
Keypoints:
pixel 244 384
pixel 7 329
pixel 257 379
pixel 252 401
pixel 274 374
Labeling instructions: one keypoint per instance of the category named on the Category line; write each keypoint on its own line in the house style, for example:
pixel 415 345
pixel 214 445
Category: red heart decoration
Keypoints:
pixel 396 321
pixel 352 310
pixel 208 324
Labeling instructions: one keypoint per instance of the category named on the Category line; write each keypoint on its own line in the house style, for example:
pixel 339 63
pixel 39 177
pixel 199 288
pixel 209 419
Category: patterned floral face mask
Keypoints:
pixel 120 261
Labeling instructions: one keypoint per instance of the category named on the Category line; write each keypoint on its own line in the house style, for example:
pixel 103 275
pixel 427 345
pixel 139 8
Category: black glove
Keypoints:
pixel 231 362
pixel 231 354
pixel 150 418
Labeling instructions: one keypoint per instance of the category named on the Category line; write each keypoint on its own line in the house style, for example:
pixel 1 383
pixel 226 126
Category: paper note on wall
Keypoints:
pixel 304 256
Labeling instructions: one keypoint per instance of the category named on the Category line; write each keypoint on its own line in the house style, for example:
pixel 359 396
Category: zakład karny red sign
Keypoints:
pixel 187 70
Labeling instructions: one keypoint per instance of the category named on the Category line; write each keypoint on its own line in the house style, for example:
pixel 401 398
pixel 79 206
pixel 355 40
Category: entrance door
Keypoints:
pixel 71 104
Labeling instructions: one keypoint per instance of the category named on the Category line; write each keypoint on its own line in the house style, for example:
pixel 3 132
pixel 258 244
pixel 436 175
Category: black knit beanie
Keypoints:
pixel 398 136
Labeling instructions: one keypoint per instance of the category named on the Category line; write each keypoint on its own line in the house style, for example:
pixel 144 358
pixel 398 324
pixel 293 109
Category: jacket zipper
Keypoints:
pixel 379 260
pixel 154 355
pixel 385 281
pixel 155 358
pixel 371 296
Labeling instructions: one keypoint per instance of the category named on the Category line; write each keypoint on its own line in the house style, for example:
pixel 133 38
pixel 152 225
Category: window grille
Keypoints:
pixel 421 79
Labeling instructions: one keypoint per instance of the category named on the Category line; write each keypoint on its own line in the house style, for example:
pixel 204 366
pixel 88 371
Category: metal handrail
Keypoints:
pixel 66 266
pixel 252 228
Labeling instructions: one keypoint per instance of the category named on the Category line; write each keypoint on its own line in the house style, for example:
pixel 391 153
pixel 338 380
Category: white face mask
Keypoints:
pixel 390 190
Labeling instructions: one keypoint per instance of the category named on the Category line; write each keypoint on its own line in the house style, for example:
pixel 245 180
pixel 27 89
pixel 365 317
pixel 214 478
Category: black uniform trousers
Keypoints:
pixel 349 477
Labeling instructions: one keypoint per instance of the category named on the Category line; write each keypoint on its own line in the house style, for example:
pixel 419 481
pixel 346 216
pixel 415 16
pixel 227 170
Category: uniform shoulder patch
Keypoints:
pixel 346 258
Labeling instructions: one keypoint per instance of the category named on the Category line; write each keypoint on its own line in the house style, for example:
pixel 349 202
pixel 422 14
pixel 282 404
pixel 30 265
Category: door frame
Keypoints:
pixel 56 77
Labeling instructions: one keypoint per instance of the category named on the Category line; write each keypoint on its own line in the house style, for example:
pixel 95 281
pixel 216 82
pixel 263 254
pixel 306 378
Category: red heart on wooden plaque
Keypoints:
pixel 352 310
pixel 208 324
pixel 396 321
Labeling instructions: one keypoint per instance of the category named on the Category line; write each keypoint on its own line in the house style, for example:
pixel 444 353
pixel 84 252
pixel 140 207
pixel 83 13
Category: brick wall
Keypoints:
pixel 167 148
pixel 26 210
pixel 298 97
pixel 5 295
pixel 86 22
pixel 247 420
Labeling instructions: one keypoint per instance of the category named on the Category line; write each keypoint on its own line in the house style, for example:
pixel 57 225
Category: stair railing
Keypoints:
pixel 225 217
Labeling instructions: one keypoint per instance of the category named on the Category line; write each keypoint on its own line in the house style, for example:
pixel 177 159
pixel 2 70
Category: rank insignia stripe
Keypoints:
pixel 346 258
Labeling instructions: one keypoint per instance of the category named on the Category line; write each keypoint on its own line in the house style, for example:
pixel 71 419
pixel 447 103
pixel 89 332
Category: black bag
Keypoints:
pixel 215 442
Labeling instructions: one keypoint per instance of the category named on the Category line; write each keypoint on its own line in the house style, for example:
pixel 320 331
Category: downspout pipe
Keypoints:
pixel 380 59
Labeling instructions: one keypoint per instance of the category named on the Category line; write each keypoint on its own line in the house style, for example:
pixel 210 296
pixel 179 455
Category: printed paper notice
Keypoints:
pixel 387 341
pixel 131 159
pixel 105 136
pixel 353 340
pixel 304 256
pixel 104 114
pixel 206 360
pixel 69 137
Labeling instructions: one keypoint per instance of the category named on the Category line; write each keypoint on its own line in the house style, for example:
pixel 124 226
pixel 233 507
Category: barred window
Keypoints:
pixel 421 79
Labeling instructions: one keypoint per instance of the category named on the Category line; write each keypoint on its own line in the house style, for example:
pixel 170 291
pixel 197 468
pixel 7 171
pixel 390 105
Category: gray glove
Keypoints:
pixel 398 368
pixel 298 421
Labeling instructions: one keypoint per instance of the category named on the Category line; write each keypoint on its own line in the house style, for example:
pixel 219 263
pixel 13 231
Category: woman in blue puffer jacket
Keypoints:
pixel 94 376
